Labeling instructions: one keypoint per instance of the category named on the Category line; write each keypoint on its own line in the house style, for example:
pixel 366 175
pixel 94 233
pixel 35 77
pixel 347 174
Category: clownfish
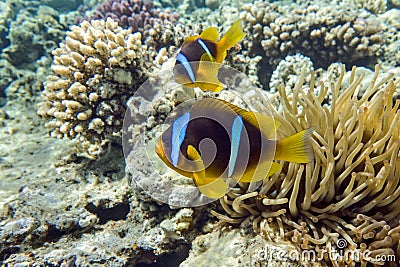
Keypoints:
pixel 217 141
pixel 201 56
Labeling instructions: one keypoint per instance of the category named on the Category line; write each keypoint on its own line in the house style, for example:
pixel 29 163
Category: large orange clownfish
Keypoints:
pixel 201 56
pixel 216 141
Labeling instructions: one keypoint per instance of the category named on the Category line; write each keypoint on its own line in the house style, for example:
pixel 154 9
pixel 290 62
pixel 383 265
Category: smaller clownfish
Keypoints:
pixel 201 56
pixel 217 141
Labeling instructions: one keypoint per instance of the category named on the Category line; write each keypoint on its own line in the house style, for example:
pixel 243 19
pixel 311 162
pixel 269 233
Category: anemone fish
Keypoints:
pixel 201 56
pixel 217 141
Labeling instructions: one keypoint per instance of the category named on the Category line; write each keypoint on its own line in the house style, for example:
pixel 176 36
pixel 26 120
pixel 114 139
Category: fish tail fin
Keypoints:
pixel 296 148
pixel 234 35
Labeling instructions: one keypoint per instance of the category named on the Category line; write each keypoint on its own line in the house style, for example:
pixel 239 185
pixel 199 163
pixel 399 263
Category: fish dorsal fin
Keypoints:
pixel 190 39
pixel 210 34
pixel 210 187
pixel 213 105
pixel 266 124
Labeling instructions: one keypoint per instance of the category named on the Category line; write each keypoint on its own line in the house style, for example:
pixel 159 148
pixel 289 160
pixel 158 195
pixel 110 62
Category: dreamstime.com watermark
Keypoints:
pixel 264 255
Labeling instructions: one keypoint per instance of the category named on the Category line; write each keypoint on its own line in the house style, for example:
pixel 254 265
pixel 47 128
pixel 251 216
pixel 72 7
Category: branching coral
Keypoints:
pixel 327 32
pixel 100 66
pixel 376 7
pixel 350 192
pixel 136 15
pixel 95 71
pixel 288 70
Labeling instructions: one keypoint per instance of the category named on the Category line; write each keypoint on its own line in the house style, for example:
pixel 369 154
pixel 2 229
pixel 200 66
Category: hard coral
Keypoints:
pixel 31 37
pixel 347 198
pixel 376 6
pixel 94 72
pixel 326 33
pixel 136 15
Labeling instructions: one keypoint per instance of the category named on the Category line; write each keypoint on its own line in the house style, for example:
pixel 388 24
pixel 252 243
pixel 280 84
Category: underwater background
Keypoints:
pixel 69 196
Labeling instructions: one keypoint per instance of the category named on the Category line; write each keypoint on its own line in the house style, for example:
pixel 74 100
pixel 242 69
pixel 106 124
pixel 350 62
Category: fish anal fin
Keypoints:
pixel 213 86
pixel 210 34
pixel 296 148
pixel 257 172
pixel 212 187
pixel 275 167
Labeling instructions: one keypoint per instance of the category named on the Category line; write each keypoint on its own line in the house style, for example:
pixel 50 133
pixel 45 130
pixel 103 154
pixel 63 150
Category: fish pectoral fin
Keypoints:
pixel 207 74
pixel 194 155
pixel 210 187
pixel 209 63
pixel 199 173
pixel 296 148
pixel 210 34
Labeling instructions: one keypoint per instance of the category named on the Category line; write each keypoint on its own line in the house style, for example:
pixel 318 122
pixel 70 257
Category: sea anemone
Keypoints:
pixel 347 198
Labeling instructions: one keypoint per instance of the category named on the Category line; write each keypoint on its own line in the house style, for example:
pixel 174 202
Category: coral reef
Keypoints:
pixel 101 221
pixel 31 37
pixel 288 70
pixel 63 5
pixel 327 32
pixel 95 71
pixel 29 32
pixel 136 15
pixel 159 28
pixel 346 199
pixel 4 15
pixel 100 66
pixel 236 247
pixel 376 7
pixel 391 57
pixel 65 210
pixel 394 3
